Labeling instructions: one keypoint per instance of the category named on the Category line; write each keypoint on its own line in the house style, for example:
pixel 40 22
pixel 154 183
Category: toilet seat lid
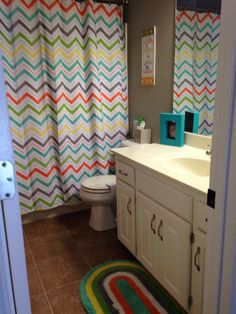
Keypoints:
pixel 99 183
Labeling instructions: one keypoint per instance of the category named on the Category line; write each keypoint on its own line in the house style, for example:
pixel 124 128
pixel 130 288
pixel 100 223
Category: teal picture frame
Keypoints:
pixel 172 129
pixel 191 122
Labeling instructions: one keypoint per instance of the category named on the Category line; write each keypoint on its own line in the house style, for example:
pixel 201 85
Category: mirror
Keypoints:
pixel 197 31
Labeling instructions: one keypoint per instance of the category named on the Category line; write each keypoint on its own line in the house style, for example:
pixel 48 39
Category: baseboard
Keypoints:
pixel 54 212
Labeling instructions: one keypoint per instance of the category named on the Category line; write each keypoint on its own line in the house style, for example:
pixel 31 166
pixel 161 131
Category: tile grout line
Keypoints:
pixel 85 259
pixel 38 273
pixel 80 253
pixel 63 286
pixel 113 235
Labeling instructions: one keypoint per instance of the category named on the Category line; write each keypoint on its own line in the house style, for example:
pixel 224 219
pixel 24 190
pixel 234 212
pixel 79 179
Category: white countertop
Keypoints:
pixel 153 155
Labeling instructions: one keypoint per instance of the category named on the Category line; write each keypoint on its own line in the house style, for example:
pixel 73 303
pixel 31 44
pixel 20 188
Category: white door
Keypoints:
pixel 228 283
pixel 147 240
pixel 175 255
pixel 227 294
pixel 14 293
pixel 198 271
pixel 126 215
pixel 220 276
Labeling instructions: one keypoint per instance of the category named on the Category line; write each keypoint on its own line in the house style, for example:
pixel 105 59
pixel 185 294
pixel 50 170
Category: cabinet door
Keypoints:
pixel 147 241
pixel 175 255
pixel 198 268
pixel 126 215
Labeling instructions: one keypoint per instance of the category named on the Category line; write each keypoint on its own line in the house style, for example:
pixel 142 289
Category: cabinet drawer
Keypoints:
pixel 169 197
pixel 125 172
pixel 200 215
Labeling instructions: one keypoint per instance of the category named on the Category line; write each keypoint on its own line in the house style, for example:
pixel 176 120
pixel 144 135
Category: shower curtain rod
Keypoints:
pixel 200 10
pixel 119 2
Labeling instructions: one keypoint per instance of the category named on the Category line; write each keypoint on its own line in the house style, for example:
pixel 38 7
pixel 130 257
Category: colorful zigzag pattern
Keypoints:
pixel 196 55
pixel 66 79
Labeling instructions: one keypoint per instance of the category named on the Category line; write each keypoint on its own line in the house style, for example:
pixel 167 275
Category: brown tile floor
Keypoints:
pixel 59 251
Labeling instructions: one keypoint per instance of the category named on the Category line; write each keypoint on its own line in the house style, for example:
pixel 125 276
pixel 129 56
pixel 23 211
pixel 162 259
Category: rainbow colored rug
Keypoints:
pixel 124 286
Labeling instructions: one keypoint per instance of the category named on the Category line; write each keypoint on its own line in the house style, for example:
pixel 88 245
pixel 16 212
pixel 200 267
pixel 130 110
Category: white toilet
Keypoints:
pixel 100 193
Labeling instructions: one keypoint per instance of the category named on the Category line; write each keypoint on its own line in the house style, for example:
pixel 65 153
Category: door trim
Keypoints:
pixel 13 249
pixel 223 118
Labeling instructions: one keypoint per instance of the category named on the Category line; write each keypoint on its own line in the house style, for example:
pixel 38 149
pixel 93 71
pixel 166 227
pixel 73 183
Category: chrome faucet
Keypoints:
pixel 208 151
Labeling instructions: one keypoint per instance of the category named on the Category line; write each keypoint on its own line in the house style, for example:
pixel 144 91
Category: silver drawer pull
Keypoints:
pixel 127 207
pixel 123 173
pixel 159 229
pixel 195 258
pixel 152 221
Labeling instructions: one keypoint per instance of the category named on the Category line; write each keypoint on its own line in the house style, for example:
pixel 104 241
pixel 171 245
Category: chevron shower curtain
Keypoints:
pixel 196 55
pixel 66 79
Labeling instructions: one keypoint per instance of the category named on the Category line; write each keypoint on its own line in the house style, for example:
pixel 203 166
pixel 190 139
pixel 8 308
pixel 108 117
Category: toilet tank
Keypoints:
pixel 127 143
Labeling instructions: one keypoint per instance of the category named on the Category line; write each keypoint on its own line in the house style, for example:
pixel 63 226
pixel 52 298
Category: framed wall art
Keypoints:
pixel 148 56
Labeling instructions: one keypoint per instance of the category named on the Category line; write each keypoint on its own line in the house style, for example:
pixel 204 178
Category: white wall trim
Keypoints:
pixel 54 212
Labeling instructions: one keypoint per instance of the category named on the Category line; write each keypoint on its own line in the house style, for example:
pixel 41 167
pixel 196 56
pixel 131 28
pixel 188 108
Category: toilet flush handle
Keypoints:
pixel 109 187
pixel 112 189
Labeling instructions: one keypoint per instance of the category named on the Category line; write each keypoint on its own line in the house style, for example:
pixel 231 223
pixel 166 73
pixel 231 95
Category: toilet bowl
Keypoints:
pixel 100 193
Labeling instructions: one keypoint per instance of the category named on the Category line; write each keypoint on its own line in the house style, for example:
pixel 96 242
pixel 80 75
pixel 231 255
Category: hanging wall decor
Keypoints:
pixel 148 56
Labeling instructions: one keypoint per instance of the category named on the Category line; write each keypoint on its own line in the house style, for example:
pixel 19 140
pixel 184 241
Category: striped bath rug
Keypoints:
pixel 124 286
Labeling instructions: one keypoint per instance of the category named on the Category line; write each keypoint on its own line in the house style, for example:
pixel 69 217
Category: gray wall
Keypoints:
pixel 144 100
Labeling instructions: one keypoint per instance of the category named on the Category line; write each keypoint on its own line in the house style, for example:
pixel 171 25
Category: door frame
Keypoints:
pixel 14 291
pixel 222 170
pixel 223 145
pixel 228 281
pixel 6 296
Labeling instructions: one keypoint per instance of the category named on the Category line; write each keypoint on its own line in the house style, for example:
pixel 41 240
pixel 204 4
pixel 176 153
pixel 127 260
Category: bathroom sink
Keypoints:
pixel 189 165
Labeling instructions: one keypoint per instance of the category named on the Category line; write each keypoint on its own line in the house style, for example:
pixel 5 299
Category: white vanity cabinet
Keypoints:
pixel 147 221
pixel 200 221
pixel 175 255
pixel 163 246
pixel 156 219
pixel 126 215
pixel 198 268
